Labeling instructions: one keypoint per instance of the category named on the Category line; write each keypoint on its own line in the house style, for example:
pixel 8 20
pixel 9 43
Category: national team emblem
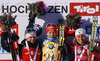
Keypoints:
pixel 51 46
pixel 79 51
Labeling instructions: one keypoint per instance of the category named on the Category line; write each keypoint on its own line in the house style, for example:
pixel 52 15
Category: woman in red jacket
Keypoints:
pixel 29 49
pixel 81 45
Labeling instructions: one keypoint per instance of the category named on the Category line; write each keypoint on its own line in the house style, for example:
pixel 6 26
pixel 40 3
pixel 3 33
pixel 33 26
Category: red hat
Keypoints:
pixel 50 27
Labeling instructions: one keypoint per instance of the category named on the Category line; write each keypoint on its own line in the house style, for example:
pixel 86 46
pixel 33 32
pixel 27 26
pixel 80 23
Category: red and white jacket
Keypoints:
pixel 26 55
pixel 81 53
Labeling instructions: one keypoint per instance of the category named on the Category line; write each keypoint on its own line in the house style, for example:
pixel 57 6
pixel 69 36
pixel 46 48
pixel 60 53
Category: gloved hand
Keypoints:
pixel 32 17
pixel 93 49
pixel 14 36
pixel 62 51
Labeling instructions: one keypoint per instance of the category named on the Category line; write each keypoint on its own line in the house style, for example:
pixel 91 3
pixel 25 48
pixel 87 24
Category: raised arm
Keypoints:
pixel 4 41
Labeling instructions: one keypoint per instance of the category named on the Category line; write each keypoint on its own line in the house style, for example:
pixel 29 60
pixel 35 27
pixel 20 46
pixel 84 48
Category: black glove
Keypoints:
pixel 62 50
pixel 32 17
pixel 14 36
pixel 93 49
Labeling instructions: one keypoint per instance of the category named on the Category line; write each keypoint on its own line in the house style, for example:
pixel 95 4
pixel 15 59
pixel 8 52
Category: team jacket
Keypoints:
pixel 23 51
pixel 81 53
pixel 49 48
pixel 26 54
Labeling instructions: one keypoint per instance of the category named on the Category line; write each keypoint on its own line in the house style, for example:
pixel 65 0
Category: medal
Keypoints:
pixel 79 51
pixel 51 46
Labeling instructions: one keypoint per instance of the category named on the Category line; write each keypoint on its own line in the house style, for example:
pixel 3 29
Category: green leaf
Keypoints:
pixel 76 14
pixel 14 17
pixel 28 3
pixel 72 21
pixel 76 17
pixel 71 14
pixel 4 14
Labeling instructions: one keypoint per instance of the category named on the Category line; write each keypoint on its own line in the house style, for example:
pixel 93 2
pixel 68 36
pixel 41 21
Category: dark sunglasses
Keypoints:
pixel 50 25
pixel 29 30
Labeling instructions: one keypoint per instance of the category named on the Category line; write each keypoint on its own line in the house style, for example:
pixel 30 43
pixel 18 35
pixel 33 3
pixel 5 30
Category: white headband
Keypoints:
pixel 80 31
pixel 30 34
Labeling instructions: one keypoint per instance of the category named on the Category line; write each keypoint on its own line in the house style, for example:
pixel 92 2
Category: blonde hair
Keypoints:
pixel 85 41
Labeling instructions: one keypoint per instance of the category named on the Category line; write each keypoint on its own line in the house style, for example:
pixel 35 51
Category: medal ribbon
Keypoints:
pixel 52 51
pixel 85 47
pixel 27 46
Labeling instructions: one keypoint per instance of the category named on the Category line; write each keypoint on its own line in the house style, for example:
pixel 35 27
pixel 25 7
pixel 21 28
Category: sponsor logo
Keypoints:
pixel 24 9
pixel 86 8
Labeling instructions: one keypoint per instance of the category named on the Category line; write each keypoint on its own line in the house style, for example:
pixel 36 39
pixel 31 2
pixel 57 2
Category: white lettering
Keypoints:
pixel 71 29
pixel 97 8
pixel 77 8
pixel 87 9
pixel 13 30
pixel 91 10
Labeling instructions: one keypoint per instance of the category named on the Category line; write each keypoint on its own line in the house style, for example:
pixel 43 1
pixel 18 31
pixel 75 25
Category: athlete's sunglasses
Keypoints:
pixel 50 25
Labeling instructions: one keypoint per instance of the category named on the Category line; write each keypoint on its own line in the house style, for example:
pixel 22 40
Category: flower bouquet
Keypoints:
pixel 73 21
pixel 7 20
pixel 36 9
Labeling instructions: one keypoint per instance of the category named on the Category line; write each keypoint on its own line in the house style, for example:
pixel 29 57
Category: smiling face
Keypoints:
pixel 81 38
pixel 31 39
pixel 51 34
